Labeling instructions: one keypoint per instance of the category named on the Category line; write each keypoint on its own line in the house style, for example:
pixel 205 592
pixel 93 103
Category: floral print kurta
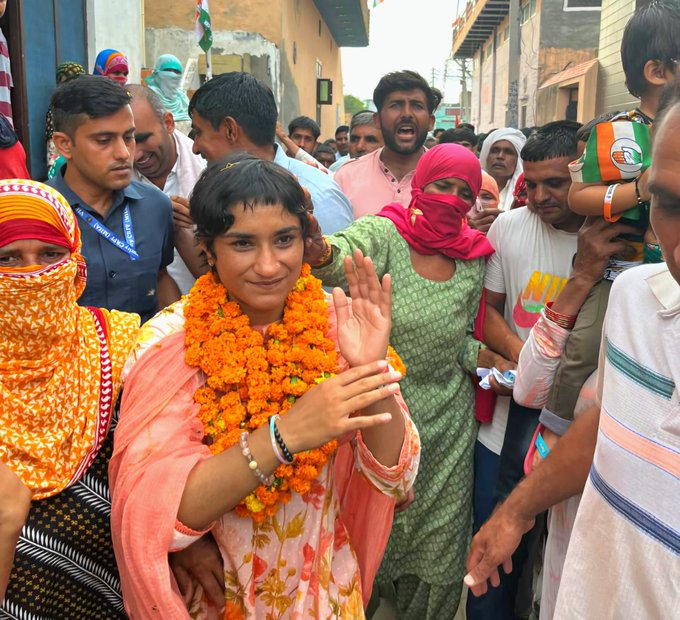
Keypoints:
pixel 300 563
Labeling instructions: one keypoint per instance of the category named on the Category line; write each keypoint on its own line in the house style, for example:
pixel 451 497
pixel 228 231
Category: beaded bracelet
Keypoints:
pixel 252 463
pixel 565 321
pixel 282 444
pixel 272 437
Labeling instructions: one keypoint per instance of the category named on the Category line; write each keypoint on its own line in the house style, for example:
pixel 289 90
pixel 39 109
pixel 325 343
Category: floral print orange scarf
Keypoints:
pixel 60 364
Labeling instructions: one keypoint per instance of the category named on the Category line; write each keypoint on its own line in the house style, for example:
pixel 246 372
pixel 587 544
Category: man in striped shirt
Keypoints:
pixel 624 555
pixel 6 83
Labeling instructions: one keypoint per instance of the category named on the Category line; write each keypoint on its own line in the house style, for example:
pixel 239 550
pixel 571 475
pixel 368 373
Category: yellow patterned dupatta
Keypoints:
pixel 60 364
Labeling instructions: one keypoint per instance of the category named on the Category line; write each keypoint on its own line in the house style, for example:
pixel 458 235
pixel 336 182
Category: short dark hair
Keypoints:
pixel 527 131
pixel 342 129
pixel 89 96
pixel 585 130
pixel 239 95
pixel 402 80
pixel 650 34
pixel 438 96
pixel 323 148
pixel 242 179
pixel 304 122
pixel 469 126
pixel 556 139
pixel 458 135
pixel 438 130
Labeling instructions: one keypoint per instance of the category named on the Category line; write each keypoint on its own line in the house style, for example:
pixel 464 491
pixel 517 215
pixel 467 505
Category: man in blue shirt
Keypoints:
pixel 234 112
pixel 126 227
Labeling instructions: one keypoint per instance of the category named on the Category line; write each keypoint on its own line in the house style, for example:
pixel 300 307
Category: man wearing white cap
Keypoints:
pixel 500 158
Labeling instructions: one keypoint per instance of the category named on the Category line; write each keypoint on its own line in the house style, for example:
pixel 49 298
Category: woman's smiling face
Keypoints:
pixel 259 258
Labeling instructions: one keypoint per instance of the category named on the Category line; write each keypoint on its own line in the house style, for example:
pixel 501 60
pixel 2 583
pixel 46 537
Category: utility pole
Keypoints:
pixel 464 95
pixel 465 76
pixel 514 47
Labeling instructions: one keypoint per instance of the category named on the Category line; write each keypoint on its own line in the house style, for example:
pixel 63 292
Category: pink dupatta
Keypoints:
pixel 142 529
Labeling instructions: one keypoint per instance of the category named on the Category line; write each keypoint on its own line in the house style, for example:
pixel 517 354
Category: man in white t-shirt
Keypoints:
pixel 624 553
pixel 535 247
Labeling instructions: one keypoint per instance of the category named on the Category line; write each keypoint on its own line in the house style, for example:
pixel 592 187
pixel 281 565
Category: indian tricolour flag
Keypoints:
pixel 615 151
pixel 203 29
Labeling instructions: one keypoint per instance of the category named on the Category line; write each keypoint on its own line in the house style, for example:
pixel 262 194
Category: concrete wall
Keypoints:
pixel 303 44
pixel 475 94
pixel 493 89
pixel 118 25
pixel 553 99
pixel 488 93
pixel 554 60
pixel 251 48
pixel 278 41
pixel 262 16
pixel 529 68
pixel 612 92
pixel 501 98
pixel 570 29
pixel 567 38
pixel 552 39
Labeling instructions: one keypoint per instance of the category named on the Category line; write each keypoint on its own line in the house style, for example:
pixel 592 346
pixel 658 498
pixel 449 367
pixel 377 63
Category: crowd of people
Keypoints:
pixel 240 366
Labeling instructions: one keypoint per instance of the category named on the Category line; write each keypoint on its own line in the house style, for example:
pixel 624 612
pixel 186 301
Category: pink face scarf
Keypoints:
pixel 434 223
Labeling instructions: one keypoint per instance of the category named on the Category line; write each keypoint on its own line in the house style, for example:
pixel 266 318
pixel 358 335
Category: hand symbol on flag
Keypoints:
pixel 627 156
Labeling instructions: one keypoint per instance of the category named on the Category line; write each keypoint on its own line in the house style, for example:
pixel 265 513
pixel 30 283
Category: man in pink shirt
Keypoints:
pixel 405 105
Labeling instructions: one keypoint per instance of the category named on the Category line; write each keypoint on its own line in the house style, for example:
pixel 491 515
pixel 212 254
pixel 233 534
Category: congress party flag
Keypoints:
pixel 204 36
pixel 615 151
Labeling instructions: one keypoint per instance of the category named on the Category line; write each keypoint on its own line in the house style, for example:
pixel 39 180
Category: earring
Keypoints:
pixel 211 264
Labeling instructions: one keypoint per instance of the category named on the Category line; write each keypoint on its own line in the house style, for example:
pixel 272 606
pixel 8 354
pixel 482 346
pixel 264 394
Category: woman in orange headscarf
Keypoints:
pixel 489 196
pixel 60 369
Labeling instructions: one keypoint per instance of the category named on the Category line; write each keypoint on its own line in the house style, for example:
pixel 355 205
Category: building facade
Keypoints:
pixel 287 44
pixel 448 115
pixel 613 96
pixel 531 60
pixel 41 35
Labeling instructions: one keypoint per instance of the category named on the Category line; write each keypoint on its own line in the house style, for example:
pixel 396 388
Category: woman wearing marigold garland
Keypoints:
pixel 234 409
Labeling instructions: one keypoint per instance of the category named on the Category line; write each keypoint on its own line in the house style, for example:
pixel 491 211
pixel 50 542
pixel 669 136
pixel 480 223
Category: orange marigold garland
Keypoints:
pixel 248 381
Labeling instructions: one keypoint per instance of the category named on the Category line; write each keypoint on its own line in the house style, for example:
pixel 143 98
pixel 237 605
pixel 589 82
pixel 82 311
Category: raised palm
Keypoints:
pixel 364 323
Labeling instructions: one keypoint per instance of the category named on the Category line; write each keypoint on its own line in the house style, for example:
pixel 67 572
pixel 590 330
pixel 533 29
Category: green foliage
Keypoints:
pixel 353 104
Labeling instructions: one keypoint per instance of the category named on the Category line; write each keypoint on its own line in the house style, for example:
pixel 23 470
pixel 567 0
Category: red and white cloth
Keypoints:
pixel 6 83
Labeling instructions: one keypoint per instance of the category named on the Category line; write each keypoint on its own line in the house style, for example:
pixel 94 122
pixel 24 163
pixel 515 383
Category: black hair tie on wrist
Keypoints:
pixel 637 192
pixel 282 444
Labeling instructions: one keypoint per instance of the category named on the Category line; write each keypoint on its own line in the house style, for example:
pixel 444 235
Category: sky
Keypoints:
pixel 405 34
